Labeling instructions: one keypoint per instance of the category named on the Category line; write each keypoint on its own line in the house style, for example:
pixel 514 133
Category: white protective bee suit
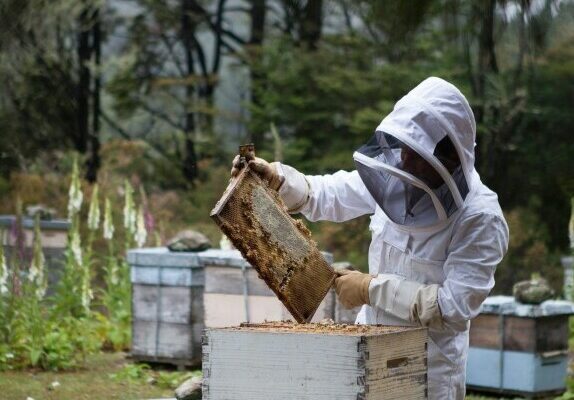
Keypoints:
pixel 434 251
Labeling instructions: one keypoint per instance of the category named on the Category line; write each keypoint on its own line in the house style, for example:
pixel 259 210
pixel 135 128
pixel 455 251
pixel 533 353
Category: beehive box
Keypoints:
pixel 176 295
pixel 53 237
pixel 279 247
pixel 285 361
pixel 519 349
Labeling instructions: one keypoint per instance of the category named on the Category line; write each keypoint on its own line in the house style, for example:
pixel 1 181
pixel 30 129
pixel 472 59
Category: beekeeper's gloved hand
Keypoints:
pixel 291 184
pixel 352 287
pixel 266 171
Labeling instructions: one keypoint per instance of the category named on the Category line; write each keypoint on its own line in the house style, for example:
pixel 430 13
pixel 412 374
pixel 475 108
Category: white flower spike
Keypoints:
pixel 108 221
pixel 94 212
pixel 75 196
pixel 141 232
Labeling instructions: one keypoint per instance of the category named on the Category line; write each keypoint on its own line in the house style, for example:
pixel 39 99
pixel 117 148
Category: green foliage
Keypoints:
pixel 324 103
pixel 133 373
pixel 116 299
pixel 528 253
pixel 347 241
pixel 60 331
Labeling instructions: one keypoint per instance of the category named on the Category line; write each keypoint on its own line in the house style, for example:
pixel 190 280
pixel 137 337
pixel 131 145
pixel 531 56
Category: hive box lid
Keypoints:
pixel 161 256
pixel 507 305
pixel 28 223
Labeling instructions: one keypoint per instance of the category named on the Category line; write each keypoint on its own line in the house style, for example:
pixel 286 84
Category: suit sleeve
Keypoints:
pixel 476 249
pixel 338 197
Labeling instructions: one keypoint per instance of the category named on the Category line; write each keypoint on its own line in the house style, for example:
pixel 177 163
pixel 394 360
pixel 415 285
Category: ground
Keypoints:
pixel 105 376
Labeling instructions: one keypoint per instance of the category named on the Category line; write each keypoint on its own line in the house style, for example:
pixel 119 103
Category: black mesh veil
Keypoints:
pixel 407 183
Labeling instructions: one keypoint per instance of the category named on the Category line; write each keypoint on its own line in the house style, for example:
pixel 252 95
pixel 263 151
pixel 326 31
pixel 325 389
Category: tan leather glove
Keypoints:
pixel 352 287
pixel 266 171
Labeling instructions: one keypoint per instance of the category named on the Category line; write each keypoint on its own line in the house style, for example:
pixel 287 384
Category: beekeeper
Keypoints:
pixel 438 232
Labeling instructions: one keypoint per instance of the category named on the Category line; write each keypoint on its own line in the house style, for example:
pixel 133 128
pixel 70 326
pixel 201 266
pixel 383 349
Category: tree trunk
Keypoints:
pixel 190 158
pixel 311 24
pixel 93 164
pixel 487 65
pixel 486 54
pixel 83 85
pixel 257 13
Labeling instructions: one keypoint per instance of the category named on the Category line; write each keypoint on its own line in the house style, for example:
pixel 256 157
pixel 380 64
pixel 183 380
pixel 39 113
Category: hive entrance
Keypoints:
pixel 277 246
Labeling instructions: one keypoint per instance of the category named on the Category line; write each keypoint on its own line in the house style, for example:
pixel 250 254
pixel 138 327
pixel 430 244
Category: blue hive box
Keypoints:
pixel 519 349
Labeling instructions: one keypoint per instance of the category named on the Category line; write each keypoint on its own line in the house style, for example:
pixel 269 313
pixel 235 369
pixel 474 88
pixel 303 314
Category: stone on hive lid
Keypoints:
pixel 46 213
pixel 189 240
pixel 533 291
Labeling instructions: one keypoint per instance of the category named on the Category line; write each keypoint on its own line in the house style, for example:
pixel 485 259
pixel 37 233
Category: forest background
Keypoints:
pixel 161 93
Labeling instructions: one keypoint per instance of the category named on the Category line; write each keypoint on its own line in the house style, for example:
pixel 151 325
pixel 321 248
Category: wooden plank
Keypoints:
pixel 396 365
pixel 161 256
pixel 175 340
pixel 520 334
pixel 484 331
pixel 278 247
pixel 167 276
pixel 285 361
pixel 223 310
pixel 229 309
pixel 50 239
pixel 552 333
pixel 181 321
pixel 222 279
pixel 175 303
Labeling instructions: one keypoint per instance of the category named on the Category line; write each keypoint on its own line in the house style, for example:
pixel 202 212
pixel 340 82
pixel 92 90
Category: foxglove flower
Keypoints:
pixel 76 246
pixel 86 294
pixel 94 212
pixel 129 209
pixel 141 232
pixel 75 196
pixel 108 221
pixel 36 273
pixel 3 273
pixel 114 278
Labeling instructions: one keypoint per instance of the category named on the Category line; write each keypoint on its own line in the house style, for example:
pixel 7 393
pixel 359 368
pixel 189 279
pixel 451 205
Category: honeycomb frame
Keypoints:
pixel 280 248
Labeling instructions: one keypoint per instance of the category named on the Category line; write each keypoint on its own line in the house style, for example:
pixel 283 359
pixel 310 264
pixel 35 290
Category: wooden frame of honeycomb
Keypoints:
pixel 279 247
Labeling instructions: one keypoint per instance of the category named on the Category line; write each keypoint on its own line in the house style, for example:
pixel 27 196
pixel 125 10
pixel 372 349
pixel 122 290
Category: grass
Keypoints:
pixel 105 376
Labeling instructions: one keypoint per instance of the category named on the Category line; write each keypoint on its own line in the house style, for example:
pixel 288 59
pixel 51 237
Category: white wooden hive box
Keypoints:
pixel 280 361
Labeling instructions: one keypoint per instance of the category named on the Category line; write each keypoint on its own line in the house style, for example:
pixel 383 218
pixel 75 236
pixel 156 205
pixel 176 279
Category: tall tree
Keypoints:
pixel 257 13
pixel 303 21
pixel 311 23
pixel 170 76
pixel 93 162
pixel 45 55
